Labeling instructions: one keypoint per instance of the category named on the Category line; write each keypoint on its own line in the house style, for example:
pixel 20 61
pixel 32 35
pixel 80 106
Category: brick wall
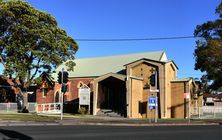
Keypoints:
pixel 70 95
pixel 177 100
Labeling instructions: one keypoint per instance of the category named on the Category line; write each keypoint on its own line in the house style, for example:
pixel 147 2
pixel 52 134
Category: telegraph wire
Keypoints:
pixel 133 39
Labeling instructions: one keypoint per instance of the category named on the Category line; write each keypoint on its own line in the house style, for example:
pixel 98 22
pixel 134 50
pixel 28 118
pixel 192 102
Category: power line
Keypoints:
pixel 134 39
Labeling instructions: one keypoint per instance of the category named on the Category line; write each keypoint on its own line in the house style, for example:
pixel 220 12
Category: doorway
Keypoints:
pixel 112 95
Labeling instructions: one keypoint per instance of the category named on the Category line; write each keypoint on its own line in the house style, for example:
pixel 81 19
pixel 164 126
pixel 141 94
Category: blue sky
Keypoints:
pixel 133 19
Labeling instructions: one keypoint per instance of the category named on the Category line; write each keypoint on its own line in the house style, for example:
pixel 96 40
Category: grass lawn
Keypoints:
pixel 28 117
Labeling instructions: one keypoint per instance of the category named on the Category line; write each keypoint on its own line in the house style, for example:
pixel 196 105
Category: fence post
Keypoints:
pixel 7 107
pixel 214 112
pixel 199 112
pixel 49 107
pixel 36 108
pixel 43 110
pixel 55 107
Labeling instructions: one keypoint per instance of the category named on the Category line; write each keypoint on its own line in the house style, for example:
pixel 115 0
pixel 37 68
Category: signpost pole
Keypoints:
pixel 89 102
pixel 149 108
pixel 187 97
pixel 189 111
pixel 152 104
pixel 62 96
pixel 156 113
pixel 156 109
pixel 62 106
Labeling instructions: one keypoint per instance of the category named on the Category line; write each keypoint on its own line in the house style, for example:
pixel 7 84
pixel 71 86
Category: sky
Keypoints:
pixel 108 19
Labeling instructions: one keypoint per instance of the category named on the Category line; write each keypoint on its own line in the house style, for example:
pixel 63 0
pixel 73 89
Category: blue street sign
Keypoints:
pixel 152 102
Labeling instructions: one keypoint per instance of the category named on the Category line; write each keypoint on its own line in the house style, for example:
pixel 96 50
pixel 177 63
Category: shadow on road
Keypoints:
pixel 14 135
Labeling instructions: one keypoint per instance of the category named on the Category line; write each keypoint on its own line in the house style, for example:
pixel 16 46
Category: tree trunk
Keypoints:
pixel 23 99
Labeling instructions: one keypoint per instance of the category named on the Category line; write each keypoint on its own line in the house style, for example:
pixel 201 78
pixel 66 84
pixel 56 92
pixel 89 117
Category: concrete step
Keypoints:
pixel 108 113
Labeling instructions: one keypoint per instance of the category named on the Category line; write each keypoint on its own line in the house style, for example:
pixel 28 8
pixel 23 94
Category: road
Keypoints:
pixel 111 132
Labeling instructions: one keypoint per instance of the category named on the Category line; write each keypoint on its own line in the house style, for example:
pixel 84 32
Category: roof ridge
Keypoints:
pixel 162 52
pixel 161 55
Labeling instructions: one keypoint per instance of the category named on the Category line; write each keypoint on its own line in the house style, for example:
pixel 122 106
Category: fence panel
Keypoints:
pixel 206 112
pixel 13 108
pixel 49 108
pixel 32 107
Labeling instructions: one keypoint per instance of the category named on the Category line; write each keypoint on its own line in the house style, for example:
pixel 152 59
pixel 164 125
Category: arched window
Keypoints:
pixel 57 97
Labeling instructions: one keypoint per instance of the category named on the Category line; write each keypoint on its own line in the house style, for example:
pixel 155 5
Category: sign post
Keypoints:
pixel 187 96
pixel 62 95
pixel 152 104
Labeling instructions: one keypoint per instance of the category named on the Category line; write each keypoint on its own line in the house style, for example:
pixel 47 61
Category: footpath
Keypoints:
pixel 95 120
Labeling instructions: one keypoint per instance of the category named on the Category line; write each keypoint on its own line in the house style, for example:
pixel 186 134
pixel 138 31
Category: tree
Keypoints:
pixel 31 42
pixel 208 52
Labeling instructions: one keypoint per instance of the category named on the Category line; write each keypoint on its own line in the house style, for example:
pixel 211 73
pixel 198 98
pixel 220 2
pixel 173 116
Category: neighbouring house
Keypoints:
pixel 212 99
pixel 121 84
pixel 180 103
pixel 9 92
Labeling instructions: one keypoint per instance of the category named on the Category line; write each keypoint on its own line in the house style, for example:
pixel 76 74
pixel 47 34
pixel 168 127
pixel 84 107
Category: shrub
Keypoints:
pixel 83 111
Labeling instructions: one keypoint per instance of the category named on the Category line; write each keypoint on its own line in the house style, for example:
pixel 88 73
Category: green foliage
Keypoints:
pixel 70 65
pixel 208 52
pixel 31 41
pixel 38 81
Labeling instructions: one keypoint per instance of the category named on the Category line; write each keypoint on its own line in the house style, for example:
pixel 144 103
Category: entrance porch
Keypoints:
pixel 110 94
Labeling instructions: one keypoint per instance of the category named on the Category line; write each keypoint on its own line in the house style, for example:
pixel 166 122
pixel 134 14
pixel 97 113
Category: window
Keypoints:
pixel 45 91
pixel 57 97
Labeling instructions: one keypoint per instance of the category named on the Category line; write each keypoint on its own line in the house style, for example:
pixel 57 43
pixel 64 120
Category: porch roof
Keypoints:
pixel 118 76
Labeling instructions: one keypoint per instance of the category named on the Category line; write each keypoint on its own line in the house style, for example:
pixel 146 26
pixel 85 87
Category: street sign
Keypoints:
pixel 187 95
pixel 152 102
pixel 154 90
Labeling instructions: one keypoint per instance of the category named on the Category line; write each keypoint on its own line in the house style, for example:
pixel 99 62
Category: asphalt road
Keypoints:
pixel 111 132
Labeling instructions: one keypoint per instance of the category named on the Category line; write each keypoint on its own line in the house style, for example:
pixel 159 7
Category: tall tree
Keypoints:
pixel 208 52
pixel 31 41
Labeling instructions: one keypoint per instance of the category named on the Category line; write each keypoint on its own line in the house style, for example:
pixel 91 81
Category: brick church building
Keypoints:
pixel 121 83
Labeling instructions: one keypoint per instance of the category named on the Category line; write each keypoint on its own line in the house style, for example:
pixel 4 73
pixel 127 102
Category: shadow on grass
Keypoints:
pixel 14 135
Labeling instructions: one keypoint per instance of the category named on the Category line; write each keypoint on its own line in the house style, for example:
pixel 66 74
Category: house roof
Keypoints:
pixel 94 67
pixel 212 95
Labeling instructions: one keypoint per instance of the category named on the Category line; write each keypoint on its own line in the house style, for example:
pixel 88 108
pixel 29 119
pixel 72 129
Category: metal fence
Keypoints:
pixel 13 107
pixel 206 112
pixel 49 108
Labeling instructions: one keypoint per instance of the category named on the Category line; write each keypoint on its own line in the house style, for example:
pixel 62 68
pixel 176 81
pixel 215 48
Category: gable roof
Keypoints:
pixel 94 67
